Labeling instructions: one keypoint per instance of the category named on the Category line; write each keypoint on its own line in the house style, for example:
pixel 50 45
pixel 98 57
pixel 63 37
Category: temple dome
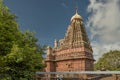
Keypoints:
pixel 77 16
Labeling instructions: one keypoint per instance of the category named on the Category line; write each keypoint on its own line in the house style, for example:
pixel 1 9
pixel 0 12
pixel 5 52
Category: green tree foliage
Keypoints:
pixel 20 56
pixel 110 61
pixel 8 29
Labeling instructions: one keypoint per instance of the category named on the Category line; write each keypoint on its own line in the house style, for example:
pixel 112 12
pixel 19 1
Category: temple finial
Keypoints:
pixel 76 9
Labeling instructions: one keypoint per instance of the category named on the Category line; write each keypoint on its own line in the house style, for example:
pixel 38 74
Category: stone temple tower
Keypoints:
pixel 73 52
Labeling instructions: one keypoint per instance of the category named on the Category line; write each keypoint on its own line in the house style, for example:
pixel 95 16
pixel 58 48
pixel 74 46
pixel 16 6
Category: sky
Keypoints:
pixel 50 20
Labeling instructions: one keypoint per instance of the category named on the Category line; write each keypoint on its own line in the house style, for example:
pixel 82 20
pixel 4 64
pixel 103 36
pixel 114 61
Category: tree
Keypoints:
pixel 110 60
pixel 20 55
pixel 8 29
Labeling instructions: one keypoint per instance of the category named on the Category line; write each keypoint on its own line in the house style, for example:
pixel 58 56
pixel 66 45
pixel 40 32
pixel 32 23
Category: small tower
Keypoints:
pixel 49 51
pixel 55 44
pixel 49 60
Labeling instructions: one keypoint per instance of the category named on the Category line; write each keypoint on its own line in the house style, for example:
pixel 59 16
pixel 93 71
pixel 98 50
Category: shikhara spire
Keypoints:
pixel 76 35
pixel 73 52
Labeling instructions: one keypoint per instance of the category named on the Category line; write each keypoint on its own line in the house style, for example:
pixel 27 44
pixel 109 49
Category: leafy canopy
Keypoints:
pixel 110 61
pixel 20 55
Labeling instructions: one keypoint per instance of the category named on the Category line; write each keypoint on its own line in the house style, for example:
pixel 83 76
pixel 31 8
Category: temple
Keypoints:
pixel 73 52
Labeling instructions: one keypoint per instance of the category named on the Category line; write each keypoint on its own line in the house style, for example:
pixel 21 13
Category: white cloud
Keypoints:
pixel 104 25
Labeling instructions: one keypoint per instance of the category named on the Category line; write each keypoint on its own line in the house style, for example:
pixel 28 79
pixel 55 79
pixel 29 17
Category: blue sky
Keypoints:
pixel 48 18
